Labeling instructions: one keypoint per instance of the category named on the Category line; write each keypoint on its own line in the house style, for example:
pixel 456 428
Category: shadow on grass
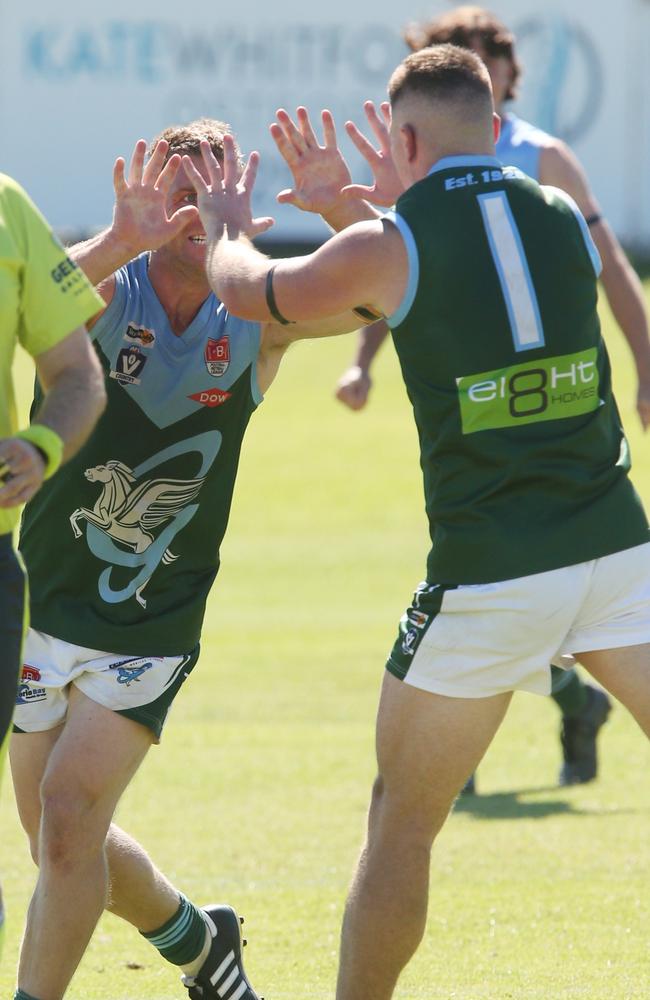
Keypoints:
pixel 515 805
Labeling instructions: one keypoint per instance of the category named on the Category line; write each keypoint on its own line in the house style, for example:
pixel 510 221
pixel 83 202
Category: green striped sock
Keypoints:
pixel 181 939
pixel 21 995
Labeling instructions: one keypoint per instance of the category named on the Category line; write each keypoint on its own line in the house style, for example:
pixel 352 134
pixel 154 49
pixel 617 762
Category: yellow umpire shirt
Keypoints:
pixel 43 297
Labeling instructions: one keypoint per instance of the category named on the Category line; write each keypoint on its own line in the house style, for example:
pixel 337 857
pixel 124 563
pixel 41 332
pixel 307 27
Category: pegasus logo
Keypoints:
pixel 125 512
pixel 136 517
pixel 127 675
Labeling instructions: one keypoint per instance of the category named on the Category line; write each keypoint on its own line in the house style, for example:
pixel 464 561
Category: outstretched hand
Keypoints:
pixel 224 200
pixel 387 186
pixel 319 171
pixel 140 217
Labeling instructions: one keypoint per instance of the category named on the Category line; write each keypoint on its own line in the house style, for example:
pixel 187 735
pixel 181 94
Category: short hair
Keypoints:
pixel 444 73
pixel 186 139
pixel 468 27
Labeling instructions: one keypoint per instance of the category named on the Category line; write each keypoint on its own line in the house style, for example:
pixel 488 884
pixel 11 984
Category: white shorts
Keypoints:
pixel 140 687
pixel 479 640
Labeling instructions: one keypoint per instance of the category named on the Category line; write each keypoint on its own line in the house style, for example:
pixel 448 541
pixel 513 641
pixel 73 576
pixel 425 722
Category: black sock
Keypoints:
pixel 568 691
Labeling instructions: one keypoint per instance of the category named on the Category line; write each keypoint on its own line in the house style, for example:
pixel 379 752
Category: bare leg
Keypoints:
pixel 138 891
pixel 625 672
pixel 92 761
pixel 427 746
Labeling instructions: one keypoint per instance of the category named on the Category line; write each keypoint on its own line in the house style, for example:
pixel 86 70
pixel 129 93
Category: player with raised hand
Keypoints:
pixel 123 550
pixel 529 558
pixel 584 708
pixel 546 159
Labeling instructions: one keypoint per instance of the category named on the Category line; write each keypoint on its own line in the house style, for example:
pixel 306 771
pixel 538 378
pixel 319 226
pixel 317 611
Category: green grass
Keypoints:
pixel 258 792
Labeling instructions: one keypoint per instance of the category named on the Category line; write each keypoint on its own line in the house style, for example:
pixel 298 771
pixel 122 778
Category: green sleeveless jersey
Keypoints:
pixel 122 545
pixel 524 459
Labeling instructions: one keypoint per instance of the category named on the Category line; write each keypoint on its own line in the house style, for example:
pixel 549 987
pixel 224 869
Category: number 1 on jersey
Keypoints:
pixel 513 271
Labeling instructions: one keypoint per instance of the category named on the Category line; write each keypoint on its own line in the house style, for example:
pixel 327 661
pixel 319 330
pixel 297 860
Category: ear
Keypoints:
pixel 409 141
pixel 496 126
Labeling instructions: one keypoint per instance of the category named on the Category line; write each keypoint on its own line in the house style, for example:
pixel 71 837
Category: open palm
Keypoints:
pixel 319 171
pixel 140 216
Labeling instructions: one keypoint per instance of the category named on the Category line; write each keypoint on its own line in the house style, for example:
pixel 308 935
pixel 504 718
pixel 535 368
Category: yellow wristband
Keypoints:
pixel 47 441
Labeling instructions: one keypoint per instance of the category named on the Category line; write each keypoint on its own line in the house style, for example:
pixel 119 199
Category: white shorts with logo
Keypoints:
pixel 474 641
pixel 140 687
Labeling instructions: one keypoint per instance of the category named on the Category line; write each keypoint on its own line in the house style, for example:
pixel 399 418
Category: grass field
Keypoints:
pixel 258 792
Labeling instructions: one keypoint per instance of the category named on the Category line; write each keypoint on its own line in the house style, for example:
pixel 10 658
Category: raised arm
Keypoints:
pixel 560 167
pixel 140 217
pixel 363 267
pixel 72 381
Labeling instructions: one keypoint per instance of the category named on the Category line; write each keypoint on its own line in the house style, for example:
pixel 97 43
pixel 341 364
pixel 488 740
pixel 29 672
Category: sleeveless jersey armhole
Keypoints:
pixel 116 308
pixel 584 229
pixel 404 307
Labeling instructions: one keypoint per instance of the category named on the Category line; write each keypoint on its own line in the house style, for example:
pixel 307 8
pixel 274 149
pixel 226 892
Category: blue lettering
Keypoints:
pixel 84 55
pixel 116 49
pixel 38 55
pixel 147 37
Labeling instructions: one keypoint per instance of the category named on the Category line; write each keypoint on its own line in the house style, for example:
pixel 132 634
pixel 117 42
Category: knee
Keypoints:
pixel 69 832
pixel 31 825
pixel 407 817
pixel 33 846
pixel 29 811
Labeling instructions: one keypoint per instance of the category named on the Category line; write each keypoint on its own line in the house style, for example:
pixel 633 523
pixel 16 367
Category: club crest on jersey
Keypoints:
pixel 217 356
pixel 140 334
pixel 137 515
pixel 129 365
pixel 211 397
pixel 27 693
pixel 130 671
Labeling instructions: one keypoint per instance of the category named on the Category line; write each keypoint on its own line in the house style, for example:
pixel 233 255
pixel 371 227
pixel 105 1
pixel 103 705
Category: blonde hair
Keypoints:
pixel 186 139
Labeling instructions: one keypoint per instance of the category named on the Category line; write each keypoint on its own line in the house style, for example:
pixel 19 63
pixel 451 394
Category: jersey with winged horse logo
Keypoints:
pixel 129 513
pixel 123 543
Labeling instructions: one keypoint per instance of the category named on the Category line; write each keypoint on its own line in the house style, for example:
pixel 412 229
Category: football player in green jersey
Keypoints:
pixel 550 161
pixel 122 551
pixel 540 545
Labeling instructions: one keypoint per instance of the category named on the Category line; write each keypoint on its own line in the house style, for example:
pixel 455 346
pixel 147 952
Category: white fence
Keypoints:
pixel 81 83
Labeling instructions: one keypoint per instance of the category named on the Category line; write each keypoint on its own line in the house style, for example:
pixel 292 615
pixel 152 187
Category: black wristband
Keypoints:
pixel 591 220
pixel 369 315
pixel 270 299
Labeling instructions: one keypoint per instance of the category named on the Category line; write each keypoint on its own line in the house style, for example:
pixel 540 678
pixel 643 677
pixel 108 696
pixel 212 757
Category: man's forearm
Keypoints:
pixel 625 296
pixel 237 273
pixel 72 405
pixel 370 340
pixel 348 211
pixel 102 255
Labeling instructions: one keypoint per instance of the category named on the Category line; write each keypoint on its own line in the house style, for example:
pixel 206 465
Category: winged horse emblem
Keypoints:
pixel 128 513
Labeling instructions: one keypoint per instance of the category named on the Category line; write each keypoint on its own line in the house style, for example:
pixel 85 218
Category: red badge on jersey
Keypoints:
pixel 211 397
pixel 217 356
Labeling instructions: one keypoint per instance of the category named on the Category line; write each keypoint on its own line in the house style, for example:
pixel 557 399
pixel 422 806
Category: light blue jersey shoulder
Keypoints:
pixel 520 144
pixel 167 375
